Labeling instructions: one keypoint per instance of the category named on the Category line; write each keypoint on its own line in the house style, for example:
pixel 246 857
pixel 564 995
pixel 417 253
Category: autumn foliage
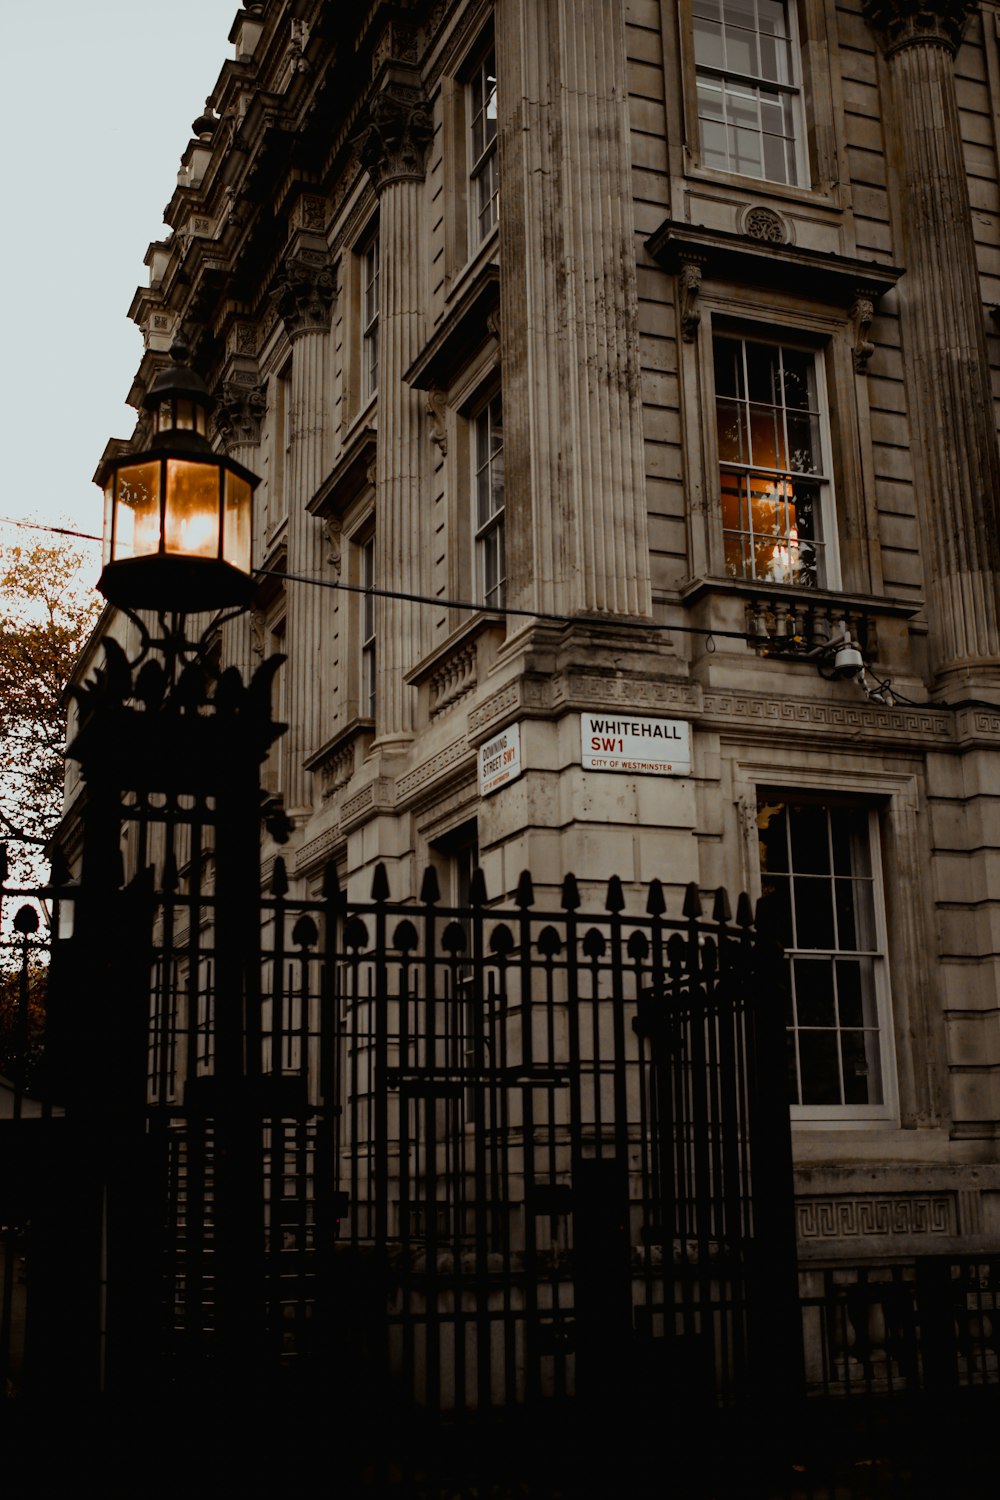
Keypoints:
pixel 47 610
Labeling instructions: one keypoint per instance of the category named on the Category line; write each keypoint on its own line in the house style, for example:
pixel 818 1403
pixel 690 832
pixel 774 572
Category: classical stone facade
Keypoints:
pixel 616 359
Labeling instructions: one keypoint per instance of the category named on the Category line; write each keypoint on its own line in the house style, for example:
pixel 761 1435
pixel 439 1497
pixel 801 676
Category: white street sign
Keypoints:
pixel 647 747
pixel 500 759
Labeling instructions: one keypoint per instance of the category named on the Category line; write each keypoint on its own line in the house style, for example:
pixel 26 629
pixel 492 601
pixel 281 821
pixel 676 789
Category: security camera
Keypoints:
pixel 847 660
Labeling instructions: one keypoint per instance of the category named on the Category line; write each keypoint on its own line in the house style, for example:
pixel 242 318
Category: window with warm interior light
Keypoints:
pixel 488 502
pixel 778 518
pixel 821 878
pixel 483 174
pixel 748 70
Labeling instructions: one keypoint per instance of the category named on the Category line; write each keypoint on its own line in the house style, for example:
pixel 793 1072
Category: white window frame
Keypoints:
pixel 849 1114
pixel 489 524
pixel 828 577
pixel 790 89
pixel 483 156
pixel 370 276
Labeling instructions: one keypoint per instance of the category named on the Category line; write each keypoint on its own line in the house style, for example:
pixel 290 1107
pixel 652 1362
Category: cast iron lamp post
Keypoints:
pixel 172 756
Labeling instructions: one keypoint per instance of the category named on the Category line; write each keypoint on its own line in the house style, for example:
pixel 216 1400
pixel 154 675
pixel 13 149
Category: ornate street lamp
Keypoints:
pixel 177 516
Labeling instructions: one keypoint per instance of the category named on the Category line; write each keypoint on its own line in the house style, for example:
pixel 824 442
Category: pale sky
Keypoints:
pixel 96 109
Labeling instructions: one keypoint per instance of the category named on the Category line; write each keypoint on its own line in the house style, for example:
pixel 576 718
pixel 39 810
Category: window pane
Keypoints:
pixel 772 832
pixel 834 1020
pixel 728 362
pixel 813 914
pixel 763 434
pixel 810 840
pixel 820 1063
pixel 733 444
pixel 752 46
pixel 741 50
pixel 707 43
pixel 814 998
pixel 862 1072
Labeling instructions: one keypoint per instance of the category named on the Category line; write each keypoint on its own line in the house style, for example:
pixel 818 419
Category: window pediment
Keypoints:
pixel 724 256
pixel 348 477
pixel 460 335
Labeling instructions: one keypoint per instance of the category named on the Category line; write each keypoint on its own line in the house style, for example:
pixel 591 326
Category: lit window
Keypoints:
pixel 368 629
pixel 489 503
pixel 483 146
pixel 820 875
pixel 369 316
pixel 777 498
pixel 749 99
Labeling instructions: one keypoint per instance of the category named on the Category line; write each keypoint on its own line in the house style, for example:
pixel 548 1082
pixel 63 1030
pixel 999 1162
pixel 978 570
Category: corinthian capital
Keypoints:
pixel 239 411
pixel 908 23
pixel 394 142
pixel 305 293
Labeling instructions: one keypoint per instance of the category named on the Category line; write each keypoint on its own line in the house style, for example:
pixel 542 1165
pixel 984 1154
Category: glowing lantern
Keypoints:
pixel 177 517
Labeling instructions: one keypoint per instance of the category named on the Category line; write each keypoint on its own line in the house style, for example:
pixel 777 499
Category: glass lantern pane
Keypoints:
pixel 137 511
pixel 109 510
pixel 191 524
pixel 236 532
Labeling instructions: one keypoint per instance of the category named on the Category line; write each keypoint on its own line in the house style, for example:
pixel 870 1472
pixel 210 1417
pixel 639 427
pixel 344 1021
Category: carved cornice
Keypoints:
pixel 239 412
pixel 909 23
pixel 305 293
pixel 394 142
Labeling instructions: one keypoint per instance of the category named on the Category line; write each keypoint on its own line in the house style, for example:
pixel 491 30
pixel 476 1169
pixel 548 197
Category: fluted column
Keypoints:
pixel 950 397
pixel 304 298
pixel 240 404
pixel 394 145
pixel 574 472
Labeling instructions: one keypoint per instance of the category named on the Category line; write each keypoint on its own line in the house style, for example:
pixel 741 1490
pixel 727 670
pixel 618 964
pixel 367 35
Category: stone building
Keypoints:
pixel 621 374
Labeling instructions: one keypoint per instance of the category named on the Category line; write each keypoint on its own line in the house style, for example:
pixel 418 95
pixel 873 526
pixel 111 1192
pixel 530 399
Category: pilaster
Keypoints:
pixel 950 397
pixel 574 469
pixel 394 146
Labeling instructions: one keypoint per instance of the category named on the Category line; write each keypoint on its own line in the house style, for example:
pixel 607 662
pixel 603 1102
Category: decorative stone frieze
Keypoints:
pixel 908 23
pixel 862 314
pixel 394 142
pixel 241 340
pixel 437 408
pixel 239 411
pixel 333 531
pixel 688 287
pixel 867 1216
pixel 399 42
pixel 764 224
pixel 305 293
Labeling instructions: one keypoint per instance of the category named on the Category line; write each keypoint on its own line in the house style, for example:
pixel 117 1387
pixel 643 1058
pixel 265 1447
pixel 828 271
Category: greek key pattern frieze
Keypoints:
pixel 493 708
pixel 318 850
pixel 866 1216
pixel 825 716
pixel 419 777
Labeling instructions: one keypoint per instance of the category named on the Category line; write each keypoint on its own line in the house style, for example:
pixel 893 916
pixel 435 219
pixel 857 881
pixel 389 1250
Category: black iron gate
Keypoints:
pixel 548 1130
